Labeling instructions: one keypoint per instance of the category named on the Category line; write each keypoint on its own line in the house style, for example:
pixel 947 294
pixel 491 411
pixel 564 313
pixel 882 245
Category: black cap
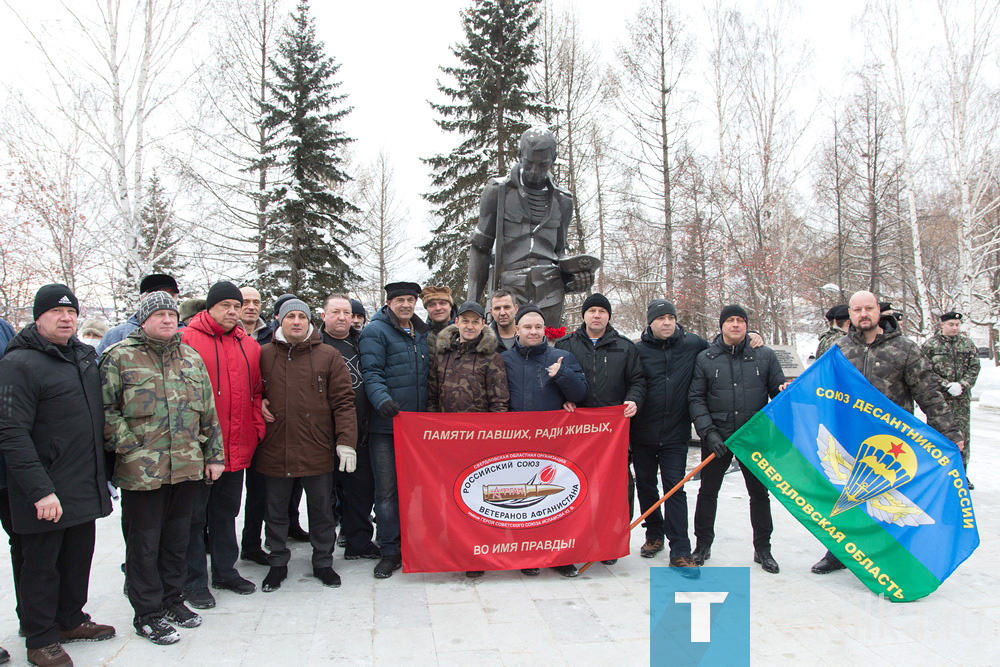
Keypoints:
pixel 52 296
pixel 659 308
pixel 525 309
pixel 884 306
pixel 279 302
pixel 730 311
pixel 471 307
pixel 221 291
pixel 156 282
pixel 392 290
pixel 841 312
pixel 358 308
pixel 597 300
pixel 951 315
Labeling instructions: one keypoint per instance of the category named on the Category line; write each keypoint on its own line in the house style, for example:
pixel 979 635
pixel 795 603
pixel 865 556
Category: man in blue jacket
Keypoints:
pixel 541 378
pixel 394 362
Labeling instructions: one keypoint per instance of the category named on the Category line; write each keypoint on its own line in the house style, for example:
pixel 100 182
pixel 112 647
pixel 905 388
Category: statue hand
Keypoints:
pixel 581 282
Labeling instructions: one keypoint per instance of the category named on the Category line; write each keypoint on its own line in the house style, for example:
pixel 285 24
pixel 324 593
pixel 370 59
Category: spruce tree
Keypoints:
pixel 309 230
pixel 157 242
pixel 490 105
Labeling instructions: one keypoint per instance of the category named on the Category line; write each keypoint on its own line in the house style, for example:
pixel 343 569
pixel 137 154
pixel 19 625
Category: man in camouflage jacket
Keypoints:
pixel 839 321
pixel 895 366
pixel 954 360
pixel 160 423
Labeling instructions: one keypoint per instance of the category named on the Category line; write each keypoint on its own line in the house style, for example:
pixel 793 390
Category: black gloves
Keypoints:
pixel 389 409
pixel 716 444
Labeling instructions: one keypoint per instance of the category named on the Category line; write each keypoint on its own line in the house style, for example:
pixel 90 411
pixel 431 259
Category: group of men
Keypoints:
pixel 193 407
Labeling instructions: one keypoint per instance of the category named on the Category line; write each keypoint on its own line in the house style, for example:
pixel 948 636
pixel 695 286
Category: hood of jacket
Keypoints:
pixel 528 352
pixel 890 330
pixel 720 347
pixel 204 323
pixel 450 339
pixel 312 338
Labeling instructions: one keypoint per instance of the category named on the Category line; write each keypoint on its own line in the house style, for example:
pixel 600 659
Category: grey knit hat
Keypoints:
pixel 293 304
pixel 153 302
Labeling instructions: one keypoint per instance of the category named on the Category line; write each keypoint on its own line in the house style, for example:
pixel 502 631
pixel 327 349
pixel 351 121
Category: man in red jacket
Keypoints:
pixel 233 362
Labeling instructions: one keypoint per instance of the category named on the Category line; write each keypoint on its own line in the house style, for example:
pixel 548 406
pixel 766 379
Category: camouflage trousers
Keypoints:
pixel 961 408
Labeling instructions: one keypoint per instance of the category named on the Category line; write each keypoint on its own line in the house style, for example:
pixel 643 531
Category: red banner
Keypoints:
pixel 510 490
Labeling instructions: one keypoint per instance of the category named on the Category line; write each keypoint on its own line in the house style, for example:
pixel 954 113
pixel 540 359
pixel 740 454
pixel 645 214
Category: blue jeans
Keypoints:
pixel 383 453
pixel 669 459
pixel 213 520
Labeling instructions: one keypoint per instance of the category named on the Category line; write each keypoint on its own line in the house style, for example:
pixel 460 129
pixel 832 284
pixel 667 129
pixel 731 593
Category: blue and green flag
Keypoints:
pixel 884 491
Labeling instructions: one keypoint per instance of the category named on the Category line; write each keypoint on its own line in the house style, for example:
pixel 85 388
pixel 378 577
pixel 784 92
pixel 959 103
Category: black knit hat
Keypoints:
pixel 525 309
pixel 222 291
pixel 155 282
pixel 280 302
pixel 392 290
pixel 659 308
pixel 951 315
pixel 730 311
pixel 52 296
pixel 358 308
pixel 596 300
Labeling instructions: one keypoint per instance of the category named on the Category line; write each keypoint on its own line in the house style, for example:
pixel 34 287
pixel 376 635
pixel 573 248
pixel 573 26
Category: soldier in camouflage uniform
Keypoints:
pixel 955 362
pixel 161 424
pixel 467 373
pixel 895 366
pixel 839 320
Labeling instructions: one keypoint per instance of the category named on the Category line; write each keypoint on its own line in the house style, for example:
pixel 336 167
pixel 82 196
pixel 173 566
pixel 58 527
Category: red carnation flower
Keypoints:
pixel 555 334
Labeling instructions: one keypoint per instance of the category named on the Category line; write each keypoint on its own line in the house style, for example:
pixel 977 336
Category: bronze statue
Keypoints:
pixel 524 219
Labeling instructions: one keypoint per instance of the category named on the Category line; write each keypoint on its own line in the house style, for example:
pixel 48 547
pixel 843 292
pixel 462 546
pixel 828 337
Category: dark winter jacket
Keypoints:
pixel 7 334
pixel 669 367
pixel 500 344
pixel 531 388
pixel 233 362
pixel 117 334
pixel 52 431
pixel 730 384
pixel 395 365
pixel 898 369
pixel 612 366
pixel 349 350
pixel 434 329
pixel 467 376
pixel 309 393
pixel 266 335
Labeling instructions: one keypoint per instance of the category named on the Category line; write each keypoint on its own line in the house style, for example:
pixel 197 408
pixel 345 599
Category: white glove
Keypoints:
pixel 954 388
pixel 348 458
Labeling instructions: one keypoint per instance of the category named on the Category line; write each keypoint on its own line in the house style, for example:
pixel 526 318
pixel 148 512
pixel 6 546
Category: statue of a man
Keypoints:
pixel 526 217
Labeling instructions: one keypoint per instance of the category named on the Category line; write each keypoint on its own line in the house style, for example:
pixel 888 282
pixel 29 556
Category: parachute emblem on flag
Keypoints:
pixel 872 478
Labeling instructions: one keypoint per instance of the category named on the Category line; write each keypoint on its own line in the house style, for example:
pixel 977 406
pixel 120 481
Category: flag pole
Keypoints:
pixel 662 500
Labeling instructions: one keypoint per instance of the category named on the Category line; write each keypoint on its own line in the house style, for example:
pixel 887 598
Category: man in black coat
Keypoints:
pixel 612 366
pixel 731 382
pixel 52 438
pixel 661 430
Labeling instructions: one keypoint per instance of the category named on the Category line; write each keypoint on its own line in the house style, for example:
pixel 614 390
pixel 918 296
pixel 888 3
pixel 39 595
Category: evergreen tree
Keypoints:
pixel 491 105
pixel 157 242
pixel 309 229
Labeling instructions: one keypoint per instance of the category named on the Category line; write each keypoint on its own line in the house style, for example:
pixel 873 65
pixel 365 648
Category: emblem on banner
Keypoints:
pixel 520 489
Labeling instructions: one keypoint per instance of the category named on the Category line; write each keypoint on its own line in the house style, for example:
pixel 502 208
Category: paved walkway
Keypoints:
pixel 600 618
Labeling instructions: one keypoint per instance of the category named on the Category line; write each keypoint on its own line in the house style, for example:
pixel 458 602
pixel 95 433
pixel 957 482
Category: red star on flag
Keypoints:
pixel 896 449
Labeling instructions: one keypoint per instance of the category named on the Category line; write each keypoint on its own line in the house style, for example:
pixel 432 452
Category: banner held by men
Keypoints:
pixel 501 491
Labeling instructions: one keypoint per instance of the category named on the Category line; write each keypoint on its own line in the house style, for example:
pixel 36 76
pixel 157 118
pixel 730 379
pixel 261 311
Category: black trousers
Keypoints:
pixel 708 500
pixel 56 573
pixel 358 499
pixel 215 508
pixel 158 528
pixel 254 507
pixel 14 540
pixel 666 460
pixel 322 525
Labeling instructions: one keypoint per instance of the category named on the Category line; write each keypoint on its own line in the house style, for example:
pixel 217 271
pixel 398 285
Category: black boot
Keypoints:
pixel 827 564
pixel 275 576
pixel 702 552
pixel 766 560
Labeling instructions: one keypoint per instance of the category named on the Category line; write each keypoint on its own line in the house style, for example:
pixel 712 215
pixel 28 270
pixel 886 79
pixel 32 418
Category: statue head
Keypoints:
pixel 536 152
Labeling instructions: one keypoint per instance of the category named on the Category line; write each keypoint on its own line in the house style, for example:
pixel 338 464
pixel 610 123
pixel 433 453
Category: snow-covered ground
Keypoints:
pixel 600 618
